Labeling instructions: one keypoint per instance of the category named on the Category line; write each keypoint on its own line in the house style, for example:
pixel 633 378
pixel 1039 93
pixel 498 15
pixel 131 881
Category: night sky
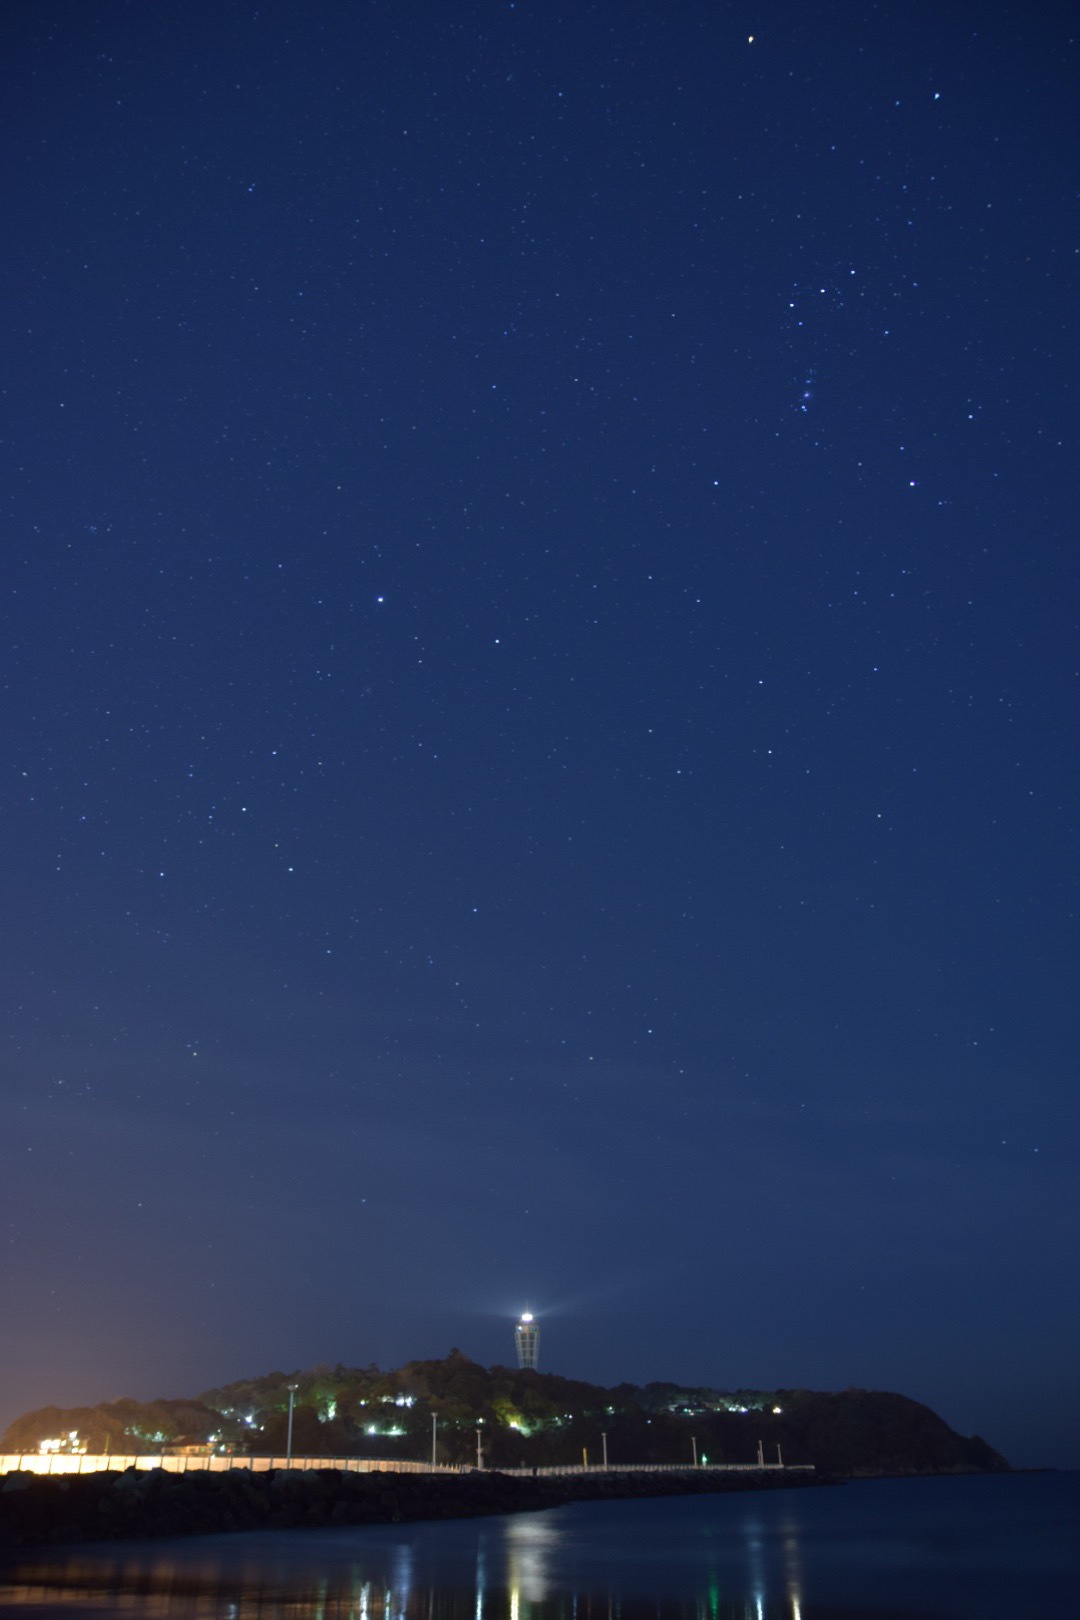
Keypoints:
pixel 539 597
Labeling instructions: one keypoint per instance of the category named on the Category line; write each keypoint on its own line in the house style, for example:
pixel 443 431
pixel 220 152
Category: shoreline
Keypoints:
pixel 49 1510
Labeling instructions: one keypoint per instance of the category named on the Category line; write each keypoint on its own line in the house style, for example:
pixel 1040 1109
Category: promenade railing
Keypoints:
pixel 69 1463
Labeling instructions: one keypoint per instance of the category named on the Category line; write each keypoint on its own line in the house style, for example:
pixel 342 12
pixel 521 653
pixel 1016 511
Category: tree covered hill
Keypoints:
pixel 522 1419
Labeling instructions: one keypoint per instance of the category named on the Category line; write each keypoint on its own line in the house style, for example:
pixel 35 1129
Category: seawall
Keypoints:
pixel 36 1510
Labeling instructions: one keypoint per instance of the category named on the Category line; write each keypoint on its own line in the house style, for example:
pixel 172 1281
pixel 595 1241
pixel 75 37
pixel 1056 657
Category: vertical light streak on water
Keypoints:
pixel 754 1531
pixel 529 1545
pixel 793 1570
pixel 402 1580
pixel 481 1580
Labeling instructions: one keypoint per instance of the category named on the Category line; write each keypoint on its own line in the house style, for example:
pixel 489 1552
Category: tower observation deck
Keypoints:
pixel 527 1341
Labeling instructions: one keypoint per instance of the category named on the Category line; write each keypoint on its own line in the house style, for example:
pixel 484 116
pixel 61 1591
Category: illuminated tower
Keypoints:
pixel 527 1340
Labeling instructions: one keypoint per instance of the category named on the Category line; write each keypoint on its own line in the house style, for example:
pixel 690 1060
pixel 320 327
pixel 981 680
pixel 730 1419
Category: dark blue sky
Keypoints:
pixel 539 663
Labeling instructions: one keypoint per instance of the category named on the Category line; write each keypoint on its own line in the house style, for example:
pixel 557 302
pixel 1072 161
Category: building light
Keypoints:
pixel 67 1443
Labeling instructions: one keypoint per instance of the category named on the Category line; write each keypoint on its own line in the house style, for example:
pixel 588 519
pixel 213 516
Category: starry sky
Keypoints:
pixel 539 659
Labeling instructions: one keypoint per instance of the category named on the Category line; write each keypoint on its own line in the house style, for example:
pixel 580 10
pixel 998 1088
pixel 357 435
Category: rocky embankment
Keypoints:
pixel 36 1510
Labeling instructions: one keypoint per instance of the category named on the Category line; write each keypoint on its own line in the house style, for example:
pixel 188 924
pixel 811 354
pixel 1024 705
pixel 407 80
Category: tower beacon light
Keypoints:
pixel 527 1341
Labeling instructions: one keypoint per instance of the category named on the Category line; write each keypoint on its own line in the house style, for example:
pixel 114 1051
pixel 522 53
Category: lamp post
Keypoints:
pixel 434 1422
pixel 603 1442
pixel 479 1446
pixel 288 1443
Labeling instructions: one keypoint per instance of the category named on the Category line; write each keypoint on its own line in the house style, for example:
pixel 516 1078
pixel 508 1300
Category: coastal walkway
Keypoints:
pixel 81 1463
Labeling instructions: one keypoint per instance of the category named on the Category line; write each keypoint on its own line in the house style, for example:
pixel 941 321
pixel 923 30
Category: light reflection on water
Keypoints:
pixel 983 1548
pixel 517 1574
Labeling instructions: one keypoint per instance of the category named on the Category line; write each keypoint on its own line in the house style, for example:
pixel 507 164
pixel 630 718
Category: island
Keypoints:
pixel 437 1439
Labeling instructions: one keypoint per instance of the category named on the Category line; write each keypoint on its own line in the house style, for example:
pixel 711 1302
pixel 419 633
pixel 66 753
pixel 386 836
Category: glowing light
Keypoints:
pixel 68 1443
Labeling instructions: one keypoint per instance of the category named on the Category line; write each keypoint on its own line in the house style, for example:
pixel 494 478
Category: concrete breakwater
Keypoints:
pixel 36 1510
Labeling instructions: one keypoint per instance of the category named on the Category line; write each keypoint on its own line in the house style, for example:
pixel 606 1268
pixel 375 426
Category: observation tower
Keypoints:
pixel 527 1341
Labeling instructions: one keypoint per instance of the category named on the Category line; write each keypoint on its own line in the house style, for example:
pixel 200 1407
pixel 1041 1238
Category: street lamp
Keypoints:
pixel 479 1445
pixel 288 1443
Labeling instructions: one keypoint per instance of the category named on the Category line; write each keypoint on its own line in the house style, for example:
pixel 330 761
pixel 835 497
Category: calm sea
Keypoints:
pixel 880 1550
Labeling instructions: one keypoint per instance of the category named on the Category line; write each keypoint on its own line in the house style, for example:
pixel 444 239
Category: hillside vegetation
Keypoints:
pixel 523 1419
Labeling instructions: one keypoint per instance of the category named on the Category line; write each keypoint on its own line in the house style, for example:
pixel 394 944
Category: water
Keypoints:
pixel 989 1548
